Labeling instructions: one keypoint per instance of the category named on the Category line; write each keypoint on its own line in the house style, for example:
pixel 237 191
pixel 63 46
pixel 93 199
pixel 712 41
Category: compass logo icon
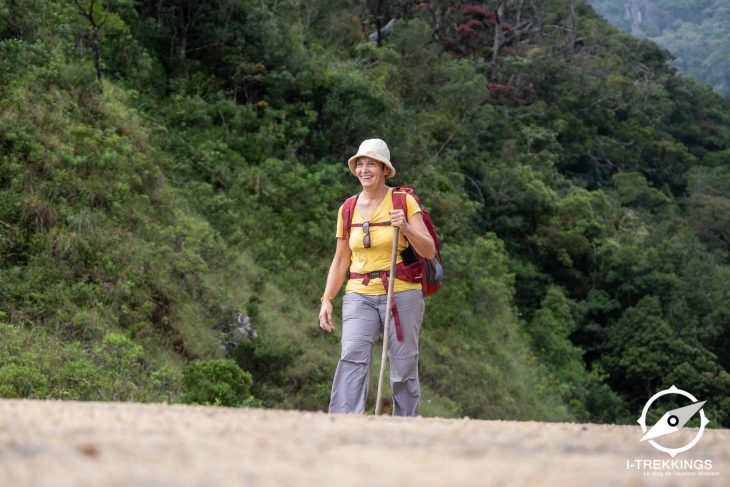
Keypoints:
pixel 672 421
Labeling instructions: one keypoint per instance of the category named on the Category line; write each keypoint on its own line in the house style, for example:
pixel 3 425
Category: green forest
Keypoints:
pixel 696 32
pixel 170 173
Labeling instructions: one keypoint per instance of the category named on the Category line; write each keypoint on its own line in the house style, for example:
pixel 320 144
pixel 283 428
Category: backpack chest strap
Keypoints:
pixel 377 224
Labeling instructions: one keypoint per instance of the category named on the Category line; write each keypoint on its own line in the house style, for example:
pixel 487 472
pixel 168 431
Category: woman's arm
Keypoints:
pixel 415 231
pixel 335 278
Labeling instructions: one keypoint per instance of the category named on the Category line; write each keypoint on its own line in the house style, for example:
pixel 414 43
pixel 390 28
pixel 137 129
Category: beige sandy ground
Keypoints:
pixel 51 443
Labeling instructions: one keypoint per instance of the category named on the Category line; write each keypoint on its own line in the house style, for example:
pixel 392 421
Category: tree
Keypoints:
pixel 710 204
pixel 97 15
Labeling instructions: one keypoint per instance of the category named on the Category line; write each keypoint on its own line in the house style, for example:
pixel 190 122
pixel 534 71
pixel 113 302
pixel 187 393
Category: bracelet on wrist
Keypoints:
pixel 328 298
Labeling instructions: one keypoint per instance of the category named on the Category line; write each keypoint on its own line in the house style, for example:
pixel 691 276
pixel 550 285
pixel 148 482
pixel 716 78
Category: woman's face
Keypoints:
pixel 370 172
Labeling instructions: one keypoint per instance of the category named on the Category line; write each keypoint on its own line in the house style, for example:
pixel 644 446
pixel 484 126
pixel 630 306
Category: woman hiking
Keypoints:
pixel 363 256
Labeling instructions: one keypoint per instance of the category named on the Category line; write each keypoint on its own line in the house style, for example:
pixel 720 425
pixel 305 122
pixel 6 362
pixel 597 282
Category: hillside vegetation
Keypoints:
pixel 697 32
pixel 170 172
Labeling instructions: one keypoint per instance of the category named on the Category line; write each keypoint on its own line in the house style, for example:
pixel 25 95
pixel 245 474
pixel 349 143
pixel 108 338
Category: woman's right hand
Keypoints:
pixel 325 316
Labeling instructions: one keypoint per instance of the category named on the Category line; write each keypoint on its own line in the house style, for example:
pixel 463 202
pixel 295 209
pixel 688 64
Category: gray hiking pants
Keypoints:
pixel 362 321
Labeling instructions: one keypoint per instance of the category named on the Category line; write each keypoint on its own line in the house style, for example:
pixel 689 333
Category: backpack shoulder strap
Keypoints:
pixel 348 210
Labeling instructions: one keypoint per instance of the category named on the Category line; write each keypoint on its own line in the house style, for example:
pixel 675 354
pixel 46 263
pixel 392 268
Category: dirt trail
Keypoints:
pixel 53 443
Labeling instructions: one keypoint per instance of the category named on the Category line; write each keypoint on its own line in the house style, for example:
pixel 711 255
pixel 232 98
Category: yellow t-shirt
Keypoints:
pixel 377 257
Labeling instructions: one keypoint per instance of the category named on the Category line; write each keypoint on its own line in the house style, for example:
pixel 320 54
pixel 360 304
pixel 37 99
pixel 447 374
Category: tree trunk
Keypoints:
pixel 96 45
pixel 498 34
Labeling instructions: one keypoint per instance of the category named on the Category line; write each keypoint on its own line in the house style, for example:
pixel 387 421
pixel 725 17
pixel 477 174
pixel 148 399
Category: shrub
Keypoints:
pixel 22 381
pixel 81 380
pixel 121 360
pixel 216 382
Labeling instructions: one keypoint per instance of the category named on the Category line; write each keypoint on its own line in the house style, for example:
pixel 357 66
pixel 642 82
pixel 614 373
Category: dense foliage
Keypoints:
pixel 697 32
pixel 171 169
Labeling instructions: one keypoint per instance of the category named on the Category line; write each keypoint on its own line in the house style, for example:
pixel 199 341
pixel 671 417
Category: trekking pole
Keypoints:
pixel 388 302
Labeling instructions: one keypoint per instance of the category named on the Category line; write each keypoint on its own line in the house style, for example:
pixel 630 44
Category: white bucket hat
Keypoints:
pixel 375 149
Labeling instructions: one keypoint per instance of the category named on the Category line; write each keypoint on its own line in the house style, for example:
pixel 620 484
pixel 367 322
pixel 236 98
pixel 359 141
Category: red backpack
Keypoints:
pixel 429 272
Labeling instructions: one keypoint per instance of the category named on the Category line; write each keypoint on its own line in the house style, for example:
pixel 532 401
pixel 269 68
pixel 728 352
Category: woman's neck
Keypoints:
pixel 375 194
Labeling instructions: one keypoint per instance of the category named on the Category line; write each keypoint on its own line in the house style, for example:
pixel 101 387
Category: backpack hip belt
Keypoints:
pixel 383 275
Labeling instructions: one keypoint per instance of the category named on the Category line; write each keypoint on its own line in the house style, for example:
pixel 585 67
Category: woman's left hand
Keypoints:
pixel 398 219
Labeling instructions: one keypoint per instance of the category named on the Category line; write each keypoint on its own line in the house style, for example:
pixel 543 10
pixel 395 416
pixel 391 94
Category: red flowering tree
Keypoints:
pixel 477 28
